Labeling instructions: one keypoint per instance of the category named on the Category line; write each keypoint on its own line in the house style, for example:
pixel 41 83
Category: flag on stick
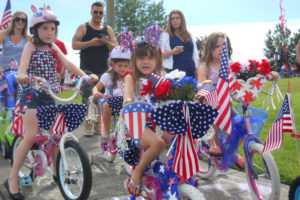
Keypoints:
pixel 284 122
pixel 6 18
pixel 224 118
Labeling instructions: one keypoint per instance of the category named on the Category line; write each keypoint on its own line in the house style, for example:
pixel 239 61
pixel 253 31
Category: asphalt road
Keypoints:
pixel 108 179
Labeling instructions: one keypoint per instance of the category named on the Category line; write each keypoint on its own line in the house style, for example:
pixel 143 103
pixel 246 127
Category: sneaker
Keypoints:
pixel 88 129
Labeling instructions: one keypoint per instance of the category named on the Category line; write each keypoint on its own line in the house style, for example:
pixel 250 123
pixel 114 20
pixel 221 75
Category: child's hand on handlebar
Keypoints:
pixel 97 95
pixel 22 78
pixel 274 76
pixel 93 78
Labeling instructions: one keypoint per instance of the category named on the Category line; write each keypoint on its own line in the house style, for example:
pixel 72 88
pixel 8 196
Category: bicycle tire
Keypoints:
pixel 80 187
pixel 264 165
pixel 294 191
pixel 190 192
pixel 5 149
pixel 206 166
pixel 26 169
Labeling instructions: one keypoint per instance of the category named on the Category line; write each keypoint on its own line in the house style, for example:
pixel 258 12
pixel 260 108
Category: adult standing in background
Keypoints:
pixel 60 69
pixel 94 40
pixel 179 49
pixel 13 40
pixel 298 53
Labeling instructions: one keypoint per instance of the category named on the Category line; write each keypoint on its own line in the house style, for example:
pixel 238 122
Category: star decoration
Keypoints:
pixel 236 86
pixel 248 97
pixel 171 182
pixel 256 83
pixel 173 196
pixel 167 166
pixel 162 169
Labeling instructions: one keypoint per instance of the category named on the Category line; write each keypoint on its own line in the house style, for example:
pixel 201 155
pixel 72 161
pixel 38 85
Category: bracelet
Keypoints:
pixel 127 101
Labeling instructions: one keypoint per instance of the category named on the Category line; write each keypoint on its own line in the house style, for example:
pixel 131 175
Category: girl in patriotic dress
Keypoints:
pixel 113 82
pixel 146 59
pixel 38 59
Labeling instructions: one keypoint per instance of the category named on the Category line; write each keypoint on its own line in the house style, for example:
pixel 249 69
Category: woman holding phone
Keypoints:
pixel 179 49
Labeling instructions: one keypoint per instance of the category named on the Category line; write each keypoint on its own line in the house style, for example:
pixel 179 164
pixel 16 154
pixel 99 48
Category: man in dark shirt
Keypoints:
pixel 94 40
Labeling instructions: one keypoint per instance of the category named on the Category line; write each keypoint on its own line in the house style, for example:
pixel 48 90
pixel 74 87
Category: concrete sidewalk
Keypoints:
pixel 108 179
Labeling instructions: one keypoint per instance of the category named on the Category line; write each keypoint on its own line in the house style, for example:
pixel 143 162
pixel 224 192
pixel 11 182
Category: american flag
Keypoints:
pixel 135 116
pixel 59 125
pixel 284 122
pixel 6 18
pixel 208 93
pixel 156 80
pixel 17 126
pixel 186 160
pixel 224 118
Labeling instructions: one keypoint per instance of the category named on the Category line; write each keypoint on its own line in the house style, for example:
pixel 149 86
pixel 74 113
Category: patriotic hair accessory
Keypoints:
pixel 127 40
pixel 152 35
pixel 42 15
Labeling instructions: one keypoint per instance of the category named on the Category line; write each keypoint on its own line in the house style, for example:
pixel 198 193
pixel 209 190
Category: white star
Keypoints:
pixel 172 196
pixel 162 169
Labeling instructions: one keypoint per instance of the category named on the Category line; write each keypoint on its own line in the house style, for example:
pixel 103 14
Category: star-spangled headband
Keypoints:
pixel 151 37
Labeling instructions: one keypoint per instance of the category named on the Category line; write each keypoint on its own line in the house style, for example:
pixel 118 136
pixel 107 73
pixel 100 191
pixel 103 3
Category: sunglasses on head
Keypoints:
pixel 18 19
pixel 98 12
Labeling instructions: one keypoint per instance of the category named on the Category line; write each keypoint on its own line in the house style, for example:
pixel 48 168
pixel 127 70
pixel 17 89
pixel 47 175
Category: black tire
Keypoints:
pixel 294 191
pixel 80 181
pixel 267 175
pixel 5 149
pixel 186 191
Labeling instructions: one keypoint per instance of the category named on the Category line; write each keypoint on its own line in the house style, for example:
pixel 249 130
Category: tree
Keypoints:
pixel 275 44
pixel 136 15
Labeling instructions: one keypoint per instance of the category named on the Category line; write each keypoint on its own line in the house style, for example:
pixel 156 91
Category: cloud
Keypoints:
pixel 247 39
pixel 73 55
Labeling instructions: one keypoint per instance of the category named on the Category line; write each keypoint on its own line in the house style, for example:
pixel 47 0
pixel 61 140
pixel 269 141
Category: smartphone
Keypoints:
pixel 101 35
pixel 181 47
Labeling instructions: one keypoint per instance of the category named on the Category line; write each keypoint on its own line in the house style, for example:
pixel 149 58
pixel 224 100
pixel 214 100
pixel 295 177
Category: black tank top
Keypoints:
pixel 94 59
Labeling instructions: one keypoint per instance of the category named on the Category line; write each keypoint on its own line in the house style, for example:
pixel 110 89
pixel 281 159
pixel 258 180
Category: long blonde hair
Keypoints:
pixel 11 27
pixel 140 51
pixel 184 33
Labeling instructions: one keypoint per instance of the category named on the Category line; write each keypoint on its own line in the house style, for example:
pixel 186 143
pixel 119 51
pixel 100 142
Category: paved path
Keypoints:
pixel 108 180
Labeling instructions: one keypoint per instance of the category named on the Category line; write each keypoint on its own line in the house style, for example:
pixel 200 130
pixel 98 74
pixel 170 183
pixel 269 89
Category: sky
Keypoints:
pixel 246 22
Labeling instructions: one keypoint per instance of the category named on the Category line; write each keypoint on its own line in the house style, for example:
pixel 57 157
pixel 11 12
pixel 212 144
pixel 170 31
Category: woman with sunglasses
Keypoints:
pixel 13 40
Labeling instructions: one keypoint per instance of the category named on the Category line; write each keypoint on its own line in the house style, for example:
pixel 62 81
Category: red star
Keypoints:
pixel 248 97
pixel 256 83
pixel 236 86
pixel 170 157
pixel 171 182
pixel 167 166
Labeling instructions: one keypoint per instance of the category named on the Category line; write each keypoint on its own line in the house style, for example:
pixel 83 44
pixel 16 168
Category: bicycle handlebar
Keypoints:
pixel 39 82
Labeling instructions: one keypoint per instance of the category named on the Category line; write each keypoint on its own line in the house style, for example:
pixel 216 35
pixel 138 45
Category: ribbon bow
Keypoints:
pixel 59 117
pixel 171 118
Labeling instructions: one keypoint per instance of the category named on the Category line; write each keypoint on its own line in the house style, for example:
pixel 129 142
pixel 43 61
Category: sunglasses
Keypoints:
pixel 18 19
pixel 98 12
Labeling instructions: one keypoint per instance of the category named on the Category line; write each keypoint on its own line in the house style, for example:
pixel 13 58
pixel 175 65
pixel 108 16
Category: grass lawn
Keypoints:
pixel 286 157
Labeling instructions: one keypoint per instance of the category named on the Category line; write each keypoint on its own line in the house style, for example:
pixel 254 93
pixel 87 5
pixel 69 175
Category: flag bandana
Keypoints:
pixel 189 120
pixel 135 116
pixel 59 117
pixel 284 122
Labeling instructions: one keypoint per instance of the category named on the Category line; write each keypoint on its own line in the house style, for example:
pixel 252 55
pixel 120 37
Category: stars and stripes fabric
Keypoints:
pixel 135 116
pixel 208 94
pixel 7 16
pixel 58 118
pixel 17 126
pixel 224 118
pixel 284 122
pixel 186 161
